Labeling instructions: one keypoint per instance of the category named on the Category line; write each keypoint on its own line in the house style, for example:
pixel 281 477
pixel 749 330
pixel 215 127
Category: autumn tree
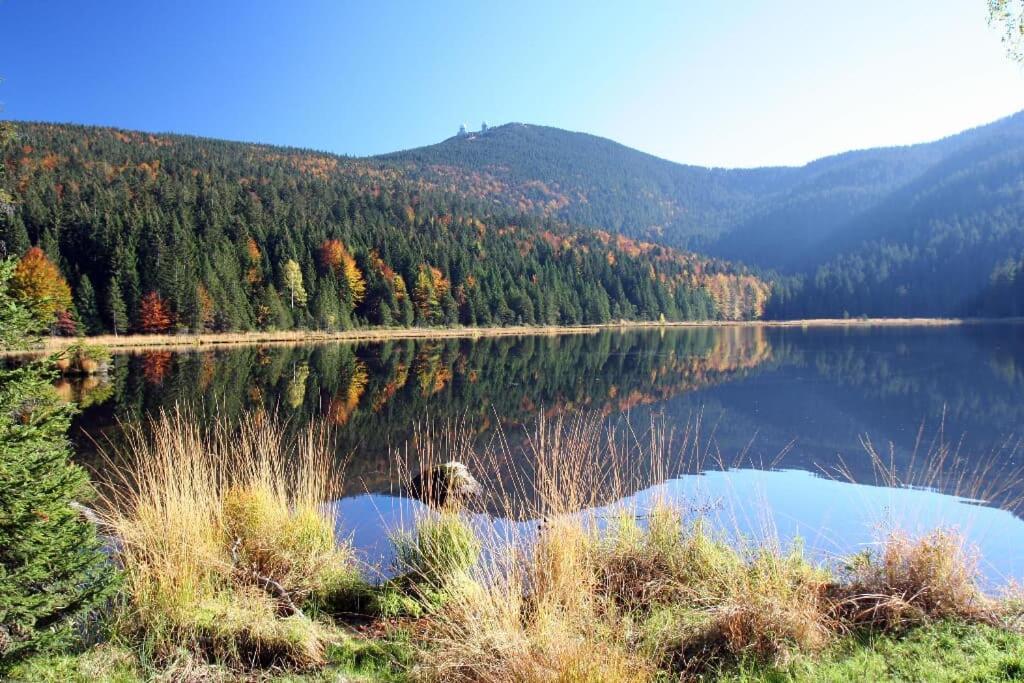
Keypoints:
pixel 331 254
pixel 204 308
pixel 38 283
pixel 353 278
pixel 425 297
pixel 254 257
pixel 336 258
pixel 406 313
pixel 292 275
pixel 154 314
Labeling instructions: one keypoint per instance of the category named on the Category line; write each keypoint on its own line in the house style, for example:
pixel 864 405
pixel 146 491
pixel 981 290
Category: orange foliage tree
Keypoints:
pixel 252 250
pixel 38 283
pixel 330 255
pixel 335 257
pixel 205 308
pixel 154 314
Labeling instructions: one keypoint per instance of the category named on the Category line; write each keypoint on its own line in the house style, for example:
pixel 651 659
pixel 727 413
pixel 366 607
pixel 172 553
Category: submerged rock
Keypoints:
pixel 446 485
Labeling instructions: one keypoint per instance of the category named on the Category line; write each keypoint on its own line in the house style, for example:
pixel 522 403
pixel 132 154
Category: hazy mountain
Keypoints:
pixel 916 229
pixel 927 229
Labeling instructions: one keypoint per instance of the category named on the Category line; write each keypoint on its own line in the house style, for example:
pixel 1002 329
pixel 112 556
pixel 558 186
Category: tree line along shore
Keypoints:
pixel 130 341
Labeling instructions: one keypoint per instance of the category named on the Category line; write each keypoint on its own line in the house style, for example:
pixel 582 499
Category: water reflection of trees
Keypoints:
pixel 814 392
pixel 376 393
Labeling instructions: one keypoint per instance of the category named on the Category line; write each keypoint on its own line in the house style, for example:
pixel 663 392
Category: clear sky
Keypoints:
pixel 713 82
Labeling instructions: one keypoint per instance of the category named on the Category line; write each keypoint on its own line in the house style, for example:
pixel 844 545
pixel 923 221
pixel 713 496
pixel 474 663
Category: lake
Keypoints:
pixel 783 416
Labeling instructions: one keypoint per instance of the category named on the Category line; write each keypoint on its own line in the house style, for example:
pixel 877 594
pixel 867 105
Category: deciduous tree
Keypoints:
pixel 154 314
pixel 37 282
pixel 292 275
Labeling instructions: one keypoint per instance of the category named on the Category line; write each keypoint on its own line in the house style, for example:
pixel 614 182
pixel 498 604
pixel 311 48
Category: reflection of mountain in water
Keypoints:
pixel 826 389
pixel 813 393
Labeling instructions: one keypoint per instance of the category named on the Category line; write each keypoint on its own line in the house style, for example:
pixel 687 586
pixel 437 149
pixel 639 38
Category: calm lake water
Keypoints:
pixel 788 410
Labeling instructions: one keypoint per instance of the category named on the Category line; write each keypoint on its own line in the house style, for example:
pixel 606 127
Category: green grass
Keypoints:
pixel 103 664
pixel 946 651
pixel 352 659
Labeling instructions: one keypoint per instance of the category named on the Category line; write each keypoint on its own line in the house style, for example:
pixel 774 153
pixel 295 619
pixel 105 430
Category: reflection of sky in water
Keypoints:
pixel 832 518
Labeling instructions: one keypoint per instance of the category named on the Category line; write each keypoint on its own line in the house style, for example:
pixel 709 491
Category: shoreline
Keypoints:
pixel 229 339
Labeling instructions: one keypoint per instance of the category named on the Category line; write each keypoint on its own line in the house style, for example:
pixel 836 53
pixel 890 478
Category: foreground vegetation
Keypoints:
pixel 231 568
pixel 223 562
pixel 943 651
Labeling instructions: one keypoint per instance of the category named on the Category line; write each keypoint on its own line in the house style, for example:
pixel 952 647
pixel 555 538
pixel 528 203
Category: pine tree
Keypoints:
pixel 88 311
pixel 406 315
pixel 384 314
pixel 54 570
pixel 326 306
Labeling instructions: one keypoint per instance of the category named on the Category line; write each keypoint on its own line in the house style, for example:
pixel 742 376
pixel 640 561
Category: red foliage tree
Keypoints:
pixel 154 314
pixel 65 326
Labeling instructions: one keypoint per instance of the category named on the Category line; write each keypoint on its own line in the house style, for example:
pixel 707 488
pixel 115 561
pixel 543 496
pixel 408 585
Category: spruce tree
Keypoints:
pixel 88 311
pixel 117 312
pixel 53 571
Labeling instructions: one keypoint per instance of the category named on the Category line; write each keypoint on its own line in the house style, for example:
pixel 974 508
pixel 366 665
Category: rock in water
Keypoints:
pixel 446 485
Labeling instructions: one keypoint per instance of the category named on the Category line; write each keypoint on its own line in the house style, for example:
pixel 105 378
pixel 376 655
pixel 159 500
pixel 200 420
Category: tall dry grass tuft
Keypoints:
pixel 223 537
pixel 911 580
pixel 593 587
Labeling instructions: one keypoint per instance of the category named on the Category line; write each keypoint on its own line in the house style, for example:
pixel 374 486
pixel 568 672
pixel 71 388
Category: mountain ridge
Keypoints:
pixel 875 232
pixel 222 236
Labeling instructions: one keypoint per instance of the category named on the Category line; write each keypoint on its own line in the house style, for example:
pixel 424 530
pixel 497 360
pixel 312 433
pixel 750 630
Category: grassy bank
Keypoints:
pixel 234 570
pixel 191 341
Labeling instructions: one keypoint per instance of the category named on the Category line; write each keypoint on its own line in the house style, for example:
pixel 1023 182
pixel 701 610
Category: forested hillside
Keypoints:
pixel 920 230
pixel 123 231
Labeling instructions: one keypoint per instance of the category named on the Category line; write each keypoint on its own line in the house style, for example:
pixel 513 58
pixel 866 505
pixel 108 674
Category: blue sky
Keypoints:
pixel 736 83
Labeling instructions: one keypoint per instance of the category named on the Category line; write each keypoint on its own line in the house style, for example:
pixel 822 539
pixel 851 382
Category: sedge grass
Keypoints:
pixel 589 590
pixel 222 536
pixel 225 542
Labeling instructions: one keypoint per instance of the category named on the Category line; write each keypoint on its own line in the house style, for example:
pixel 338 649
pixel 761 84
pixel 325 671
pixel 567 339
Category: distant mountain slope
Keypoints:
pixel 883 231
pixel 590 180
pixel 927 229
pixel 235 236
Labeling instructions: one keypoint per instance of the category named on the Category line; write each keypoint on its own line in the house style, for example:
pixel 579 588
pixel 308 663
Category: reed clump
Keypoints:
pixel 578 569
pixel 224 540
pixel 592 591
pixel 912 580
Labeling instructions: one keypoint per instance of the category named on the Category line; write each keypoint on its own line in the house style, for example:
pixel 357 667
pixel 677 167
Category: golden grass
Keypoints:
pixel 912 580
pixel 224 541
pixel 619 593
pixel 222 536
